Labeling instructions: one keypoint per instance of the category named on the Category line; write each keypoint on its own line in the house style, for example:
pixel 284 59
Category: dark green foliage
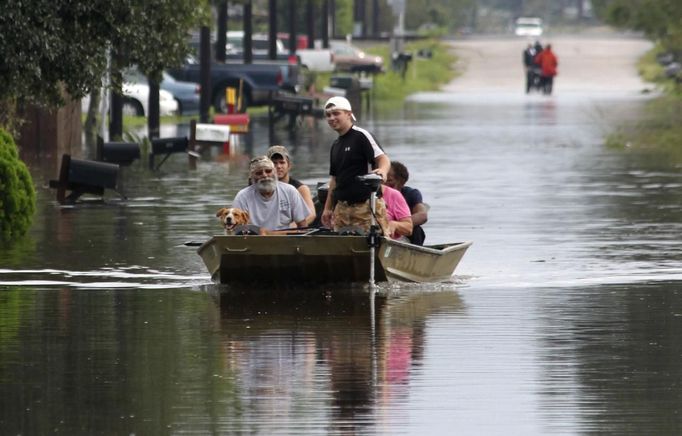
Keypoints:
pixel 660 20
pixel 450 14
pixel 17 196
pixel 51 46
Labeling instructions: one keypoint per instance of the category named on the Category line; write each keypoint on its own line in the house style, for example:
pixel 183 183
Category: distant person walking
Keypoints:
pixel 532 70
pixel 548 63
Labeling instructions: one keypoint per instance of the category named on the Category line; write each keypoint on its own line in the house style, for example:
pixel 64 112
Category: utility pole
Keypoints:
pixel 272 29
pixel 398 37
pixel 221 38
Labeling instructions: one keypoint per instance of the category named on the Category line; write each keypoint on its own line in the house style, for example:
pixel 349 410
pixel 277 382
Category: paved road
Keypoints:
pixel 596 63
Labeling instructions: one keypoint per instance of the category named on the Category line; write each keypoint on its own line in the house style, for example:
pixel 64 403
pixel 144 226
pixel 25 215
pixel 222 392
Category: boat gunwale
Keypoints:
pixel 434 248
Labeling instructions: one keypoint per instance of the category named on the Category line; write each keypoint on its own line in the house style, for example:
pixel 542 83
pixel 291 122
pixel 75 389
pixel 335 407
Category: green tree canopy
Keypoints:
pixel 51 46
pixel 660 20
pixel 449 14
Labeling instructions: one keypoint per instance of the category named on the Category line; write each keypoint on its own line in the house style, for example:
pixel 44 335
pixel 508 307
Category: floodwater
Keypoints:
pixel 564 316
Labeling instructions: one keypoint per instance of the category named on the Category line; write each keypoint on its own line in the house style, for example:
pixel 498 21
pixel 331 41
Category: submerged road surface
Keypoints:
pixel 586 64
pixel 528 177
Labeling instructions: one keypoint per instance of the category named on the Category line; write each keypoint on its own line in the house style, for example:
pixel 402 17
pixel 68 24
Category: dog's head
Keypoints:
pixel 232 217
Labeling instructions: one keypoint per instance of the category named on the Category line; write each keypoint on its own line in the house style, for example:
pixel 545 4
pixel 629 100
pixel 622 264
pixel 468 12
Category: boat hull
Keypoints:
pixel 323 259
pixel 422 264
pixel 288 259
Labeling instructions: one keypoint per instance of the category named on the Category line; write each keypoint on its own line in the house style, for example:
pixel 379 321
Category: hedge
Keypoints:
pixel 17 194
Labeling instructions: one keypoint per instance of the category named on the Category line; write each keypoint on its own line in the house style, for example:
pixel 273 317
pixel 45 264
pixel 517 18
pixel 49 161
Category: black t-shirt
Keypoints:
pixel 352 155
pixel 413 197
pixel 295 183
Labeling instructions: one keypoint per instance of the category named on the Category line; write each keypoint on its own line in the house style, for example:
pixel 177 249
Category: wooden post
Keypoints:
pixel 324 24
pixel 221 38
pixel 248 33
pixel 272 29
pixel 154 116
pixel 191 144
pixel 205 73
pixel 63 178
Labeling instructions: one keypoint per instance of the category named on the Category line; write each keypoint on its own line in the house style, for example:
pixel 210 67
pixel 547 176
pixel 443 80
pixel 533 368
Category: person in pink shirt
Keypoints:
pixel 398 214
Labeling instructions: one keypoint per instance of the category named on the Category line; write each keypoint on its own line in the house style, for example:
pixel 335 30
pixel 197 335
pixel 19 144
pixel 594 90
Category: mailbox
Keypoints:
pixel 84 177
pixel 351 83
pixel 176 144
pixel 122 153
pixel 293 104
pixel 212 133
pixel 167 146
pixel 239 123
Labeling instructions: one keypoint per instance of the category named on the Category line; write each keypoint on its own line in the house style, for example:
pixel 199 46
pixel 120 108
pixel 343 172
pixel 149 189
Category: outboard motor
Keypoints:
pixel 319 200
pixel 372 181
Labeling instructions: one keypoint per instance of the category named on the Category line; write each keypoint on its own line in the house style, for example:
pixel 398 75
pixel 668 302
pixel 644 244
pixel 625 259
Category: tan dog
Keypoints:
pixel 232 217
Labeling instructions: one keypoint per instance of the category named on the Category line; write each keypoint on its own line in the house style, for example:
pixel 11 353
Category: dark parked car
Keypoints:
pixel 258 81
pixel 185 93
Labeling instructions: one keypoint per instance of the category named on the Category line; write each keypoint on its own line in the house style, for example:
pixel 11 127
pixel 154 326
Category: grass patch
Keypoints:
pixel 648 68
pixel 423 74
pixel 660 127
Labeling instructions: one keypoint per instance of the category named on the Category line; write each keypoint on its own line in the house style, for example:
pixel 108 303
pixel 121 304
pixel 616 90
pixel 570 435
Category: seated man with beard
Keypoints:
pixel 271 205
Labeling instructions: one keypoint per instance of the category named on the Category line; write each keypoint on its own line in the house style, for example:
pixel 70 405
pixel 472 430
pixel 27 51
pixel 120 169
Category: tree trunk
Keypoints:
pixel 92 121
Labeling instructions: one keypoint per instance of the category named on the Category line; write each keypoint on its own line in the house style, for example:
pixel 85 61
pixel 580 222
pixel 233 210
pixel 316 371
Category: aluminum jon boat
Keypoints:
pixel 324 258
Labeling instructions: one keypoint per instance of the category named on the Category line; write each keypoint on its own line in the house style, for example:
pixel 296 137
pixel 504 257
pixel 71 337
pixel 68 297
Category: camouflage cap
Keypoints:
pixel 278 150
pixel 260 162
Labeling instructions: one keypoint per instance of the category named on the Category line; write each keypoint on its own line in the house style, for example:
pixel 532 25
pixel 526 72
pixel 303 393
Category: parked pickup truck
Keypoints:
pixel 313 59
pixel 259 80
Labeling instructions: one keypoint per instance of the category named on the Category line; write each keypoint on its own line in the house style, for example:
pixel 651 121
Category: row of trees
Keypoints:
pixel 660 20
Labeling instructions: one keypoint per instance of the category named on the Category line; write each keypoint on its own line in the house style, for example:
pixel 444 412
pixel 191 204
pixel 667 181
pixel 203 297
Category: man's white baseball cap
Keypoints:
pixel 341 103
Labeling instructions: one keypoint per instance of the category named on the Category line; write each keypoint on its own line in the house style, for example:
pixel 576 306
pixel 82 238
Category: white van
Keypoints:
pixel 528 26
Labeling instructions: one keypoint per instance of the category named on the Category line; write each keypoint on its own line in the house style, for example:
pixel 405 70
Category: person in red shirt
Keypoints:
pixel 548 63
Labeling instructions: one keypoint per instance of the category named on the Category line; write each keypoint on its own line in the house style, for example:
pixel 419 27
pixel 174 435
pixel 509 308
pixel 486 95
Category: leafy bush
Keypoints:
pixel 17 195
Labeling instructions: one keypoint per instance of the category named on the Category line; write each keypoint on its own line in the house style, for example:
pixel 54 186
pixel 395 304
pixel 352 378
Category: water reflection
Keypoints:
pixel 610 355
pixel 340 355
pixel 308 359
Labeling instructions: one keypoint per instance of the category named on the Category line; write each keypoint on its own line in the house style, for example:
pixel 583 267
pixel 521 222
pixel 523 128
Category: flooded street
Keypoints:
pixel 563 317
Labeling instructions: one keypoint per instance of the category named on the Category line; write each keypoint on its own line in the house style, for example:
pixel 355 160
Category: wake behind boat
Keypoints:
pixel 324 258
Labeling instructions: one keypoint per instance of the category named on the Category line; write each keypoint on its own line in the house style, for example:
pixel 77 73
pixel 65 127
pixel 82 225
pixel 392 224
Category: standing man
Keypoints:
pixel 397 177
pixel 529 64
pixel 270 204
pixel 548 63
pixel 279 156
pixel 354 153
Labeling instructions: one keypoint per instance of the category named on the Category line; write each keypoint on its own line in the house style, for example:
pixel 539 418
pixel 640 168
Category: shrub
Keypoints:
pixel 17 195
